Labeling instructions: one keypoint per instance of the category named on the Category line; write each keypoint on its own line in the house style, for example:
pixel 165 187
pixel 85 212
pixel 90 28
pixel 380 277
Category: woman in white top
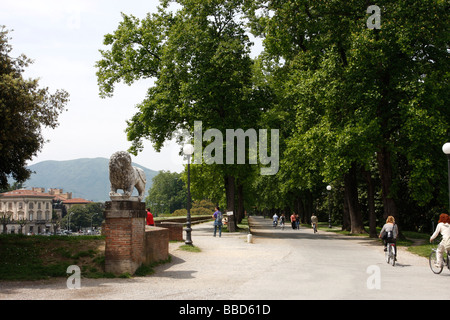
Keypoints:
pixel 442 228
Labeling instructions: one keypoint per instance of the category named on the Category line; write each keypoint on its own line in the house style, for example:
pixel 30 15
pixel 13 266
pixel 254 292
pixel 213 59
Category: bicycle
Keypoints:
pixel 390 253
pixel 434 265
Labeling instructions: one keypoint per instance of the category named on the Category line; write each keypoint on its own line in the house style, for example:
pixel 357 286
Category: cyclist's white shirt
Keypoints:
pixel 389 227
pixel 442 228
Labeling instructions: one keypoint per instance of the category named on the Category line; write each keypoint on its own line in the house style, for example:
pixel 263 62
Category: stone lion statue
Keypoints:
pixel 124 176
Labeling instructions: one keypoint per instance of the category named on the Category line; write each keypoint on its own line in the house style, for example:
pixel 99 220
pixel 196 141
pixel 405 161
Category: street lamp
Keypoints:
pixel 446 150
pixel 329 206
pixel 68 227
pixel 188 150
pixel 92 217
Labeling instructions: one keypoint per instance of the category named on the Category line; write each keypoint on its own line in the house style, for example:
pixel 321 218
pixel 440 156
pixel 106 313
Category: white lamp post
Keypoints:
pixel 446 150
pixel 188 150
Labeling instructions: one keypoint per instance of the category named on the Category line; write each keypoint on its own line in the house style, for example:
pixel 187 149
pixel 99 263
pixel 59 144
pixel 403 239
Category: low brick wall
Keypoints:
pixel 194 219
pixel 175 230
pixel 156 244
pixel 176 225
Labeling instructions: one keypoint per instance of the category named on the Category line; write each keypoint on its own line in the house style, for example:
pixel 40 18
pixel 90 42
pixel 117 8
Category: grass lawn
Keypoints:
pixel 41 257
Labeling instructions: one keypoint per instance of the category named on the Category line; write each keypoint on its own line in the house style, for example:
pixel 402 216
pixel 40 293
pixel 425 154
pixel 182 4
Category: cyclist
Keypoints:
pixel 314 221
pixel 442 228
pixel 389 233
pixel 275 220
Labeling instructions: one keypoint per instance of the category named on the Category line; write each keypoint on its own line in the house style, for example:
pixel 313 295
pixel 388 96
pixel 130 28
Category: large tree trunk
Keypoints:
pixel 299 207
pixel 230 191
pixel 351 195
pixel 371 204
pixel 240 209
pixel 346 225
pixel 388 196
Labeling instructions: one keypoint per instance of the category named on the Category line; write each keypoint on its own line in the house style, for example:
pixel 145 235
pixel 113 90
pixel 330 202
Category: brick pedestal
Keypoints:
pixel 124 229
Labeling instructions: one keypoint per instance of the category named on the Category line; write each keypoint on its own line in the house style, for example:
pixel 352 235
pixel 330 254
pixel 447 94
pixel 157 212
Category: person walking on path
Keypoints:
pixel 293 221
pixel 218 216
pixel 442 228
pixel 282 221
pixel 314 221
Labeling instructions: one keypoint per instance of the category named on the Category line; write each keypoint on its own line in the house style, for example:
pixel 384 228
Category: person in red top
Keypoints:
pixel 150 221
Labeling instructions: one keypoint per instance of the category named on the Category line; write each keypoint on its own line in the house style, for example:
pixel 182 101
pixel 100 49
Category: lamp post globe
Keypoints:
pixel 188 149
pixel 329 206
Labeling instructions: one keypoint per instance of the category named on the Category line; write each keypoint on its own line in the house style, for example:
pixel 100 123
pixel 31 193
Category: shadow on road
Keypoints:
pixel 261 227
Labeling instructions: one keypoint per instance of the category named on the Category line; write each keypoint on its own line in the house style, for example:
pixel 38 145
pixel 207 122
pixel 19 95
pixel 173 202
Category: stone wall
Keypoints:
pixel 175 230
pixel 156 244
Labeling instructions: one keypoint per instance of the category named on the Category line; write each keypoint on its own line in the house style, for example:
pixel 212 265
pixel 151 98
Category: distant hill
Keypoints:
pixel 85 178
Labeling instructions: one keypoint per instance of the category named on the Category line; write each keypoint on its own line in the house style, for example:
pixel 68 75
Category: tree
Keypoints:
pixel 5 219
pixel 200 58
pixel 167 194
pixel 24 110
pixel 82 215
pixel 357 92
pixel 22 223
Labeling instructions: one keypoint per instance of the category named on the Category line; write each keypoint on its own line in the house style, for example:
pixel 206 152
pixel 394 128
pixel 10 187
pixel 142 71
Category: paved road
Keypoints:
pixel 279 264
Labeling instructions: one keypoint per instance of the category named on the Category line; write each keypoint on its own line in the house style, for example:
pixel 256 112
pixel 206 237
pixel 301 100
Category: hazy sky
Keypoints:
pixel 63 38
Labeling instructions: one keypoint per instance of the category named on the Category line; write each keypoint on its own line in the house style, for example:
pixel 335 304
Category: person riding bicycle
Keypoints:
pixel 314 221
pixel 275 220
pixel 389 233
pixel 442 228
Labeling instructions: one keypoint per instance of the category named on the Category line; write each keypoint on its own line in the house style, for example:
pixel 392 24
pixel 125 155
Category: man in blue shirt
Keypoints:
pixel 218 221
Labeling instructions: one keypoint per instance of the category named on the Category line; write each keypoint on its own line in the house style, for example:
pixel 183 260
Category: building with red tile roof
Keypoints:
pixel 27 208
pixel 32 209
pixel 71 202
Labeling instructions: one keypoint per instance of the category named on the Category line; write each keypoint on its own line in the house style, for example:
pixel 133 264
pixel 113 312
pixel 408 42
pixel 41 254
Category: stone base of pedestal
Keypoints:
pixel 124 230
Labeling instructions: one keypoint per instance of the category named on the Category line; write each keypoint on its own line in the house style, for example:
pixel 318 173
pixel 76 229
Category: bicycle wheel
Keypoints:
pixel 392 255
pixel 433 263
